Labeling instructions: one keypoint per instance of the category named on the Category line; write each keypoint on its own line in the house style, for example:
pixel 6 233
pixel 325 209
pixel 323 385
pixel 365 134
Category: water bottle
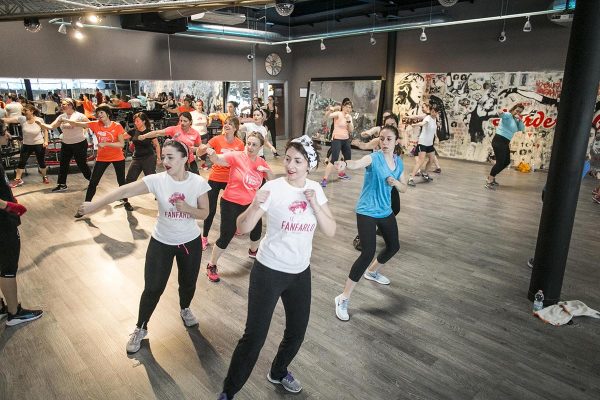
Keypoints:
pixel 538 302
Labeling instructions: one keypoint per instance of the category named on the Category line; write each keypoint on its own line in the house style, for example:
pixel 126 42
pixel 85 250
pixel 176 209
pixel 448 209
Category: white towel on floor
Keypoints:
pixel 564 311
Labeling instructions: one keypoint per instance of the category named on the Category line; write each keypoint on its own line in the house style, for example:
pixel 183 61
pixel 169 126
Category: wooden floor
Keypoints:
pixel 455 322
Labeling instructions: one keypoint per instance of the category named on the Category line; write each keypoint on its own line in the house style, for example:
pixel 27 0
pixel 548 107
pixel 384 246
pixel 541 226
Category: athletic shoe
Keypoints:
pixel 45 180
pixel 427 178
pixel 530 263
pixel 189 319
pixel 490 185
pixel 344 177
pixel 324 183
pixel 437 171
pixel 411 182
pixel 495 183
pixel 289 383
pixel 78 215
pixel 23 315
pixel 59 188
pixel 127 205
pixel 252 254
pixel 135 340
pixel 276 154
pixel 212 273
pixel 222 396
pixel 596 199
pixel 341 308
pixel 3 309
pixel 356 243
pixel 376 277
pixel 204 167
pixel 15 183
pixel 204 242
pixel 418 173
pixel 596 191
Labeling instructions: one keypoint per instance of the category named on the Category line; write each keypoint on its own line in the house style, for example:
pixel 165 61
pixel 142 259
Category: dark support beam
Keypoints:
pixel 390 71
pixel 28 91
pixel 575 111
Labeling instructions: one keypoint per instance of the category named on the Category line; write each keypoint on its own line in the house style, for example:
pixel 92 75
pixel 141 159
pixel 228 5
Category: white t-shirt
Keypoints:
pixel 49 107
pixel 13 109
pixel 428 131
pixel 174 227
pixel 135 103
pixel 32 133
pixel 199 122
pixel 291 225
pixel 73 134
pixel 252 127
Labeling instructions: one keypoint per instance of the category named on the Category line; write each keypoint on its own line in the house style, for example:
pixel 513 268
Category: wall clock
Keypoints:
pixel 273 64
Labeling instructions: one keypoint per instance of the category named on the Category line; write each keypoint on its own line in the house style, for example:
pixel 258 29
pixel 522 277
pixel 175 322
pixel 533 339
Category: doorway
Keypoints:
pixel 279 91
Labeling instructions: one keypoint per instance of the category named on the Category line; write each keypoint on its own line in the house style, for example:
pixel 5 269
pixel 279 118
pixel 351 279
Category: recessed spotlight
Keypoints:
pixel 77 34
pixel 94 19
pixel 79 23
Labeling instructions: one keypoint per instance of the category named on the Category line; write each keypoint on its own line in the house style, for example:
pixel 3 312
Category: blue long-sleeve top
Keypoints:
pixel 509 125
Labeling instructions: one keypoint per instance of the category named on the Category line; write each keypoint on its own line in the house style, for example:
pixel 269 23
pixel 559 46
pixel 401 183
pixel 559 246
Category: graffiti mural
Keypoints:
pixel 471 103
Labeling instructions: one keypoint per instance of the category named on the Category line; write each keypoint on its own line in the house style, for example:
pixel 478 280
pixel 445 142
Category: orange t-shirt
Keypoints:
pixel 181 109
pixel 244 178
pixel 88 109
pixel 221 146
pixel 124 104
pixel 108 134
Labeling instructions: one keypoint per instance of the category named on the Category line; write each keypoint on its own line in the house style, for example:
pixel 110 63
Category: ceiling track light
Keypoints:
pixel 288 49
pixel 94 19
pixel 62 29
pixel 79 22
pixel 372 40
pixel 423 37
pixel 77 34
pixel 527 26
pixel 323 47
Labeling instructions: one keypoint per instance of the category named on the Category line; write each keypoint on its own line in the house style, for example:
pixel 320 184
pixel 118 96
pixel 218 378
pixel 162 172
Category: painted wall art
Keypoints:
pixel 470 104
pixel 365 94
pixel 211 92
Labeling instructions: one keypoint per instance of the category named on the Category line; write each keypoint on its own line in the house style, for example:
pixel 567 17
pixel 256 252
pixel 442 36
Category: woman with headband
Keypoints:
pixel 247 172
pixel 295 206
pixel 219 175
pixel 182 199
pixel 384 170
pixel 183 133
pixel 73 143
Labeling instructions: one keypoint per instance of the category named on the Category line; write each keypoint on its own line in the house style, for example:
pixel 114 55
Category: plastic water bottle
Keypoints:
pixel 538 302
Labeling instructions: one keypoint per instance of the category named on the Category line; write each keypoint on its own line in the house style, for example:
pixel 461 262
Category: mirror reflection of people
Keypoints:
pixel 340 139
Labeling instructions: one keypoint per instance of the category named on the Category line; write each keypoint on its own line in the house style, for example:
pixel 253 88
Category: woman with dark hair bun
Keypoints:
pixel 182 199
pixel 146 153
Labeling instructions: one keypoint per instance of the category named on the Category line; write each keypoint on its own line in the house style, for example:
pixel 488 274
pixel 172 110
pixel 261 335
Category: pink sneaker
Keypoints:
pixel 212 273
pixel 204 242
pixel 252 254
pixel 16 182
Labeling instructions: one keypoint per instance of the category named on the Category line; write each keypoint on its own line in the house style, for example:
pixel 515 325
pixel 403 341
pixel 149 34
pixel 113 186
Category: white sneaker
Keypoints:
pixel 189 319
pixel 376 277
pixel 135 340
pixel 341 308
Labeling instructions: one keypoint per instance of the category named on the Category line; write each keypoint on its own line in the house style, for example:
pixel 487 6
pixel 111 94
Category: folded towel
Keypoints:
pixel 564 311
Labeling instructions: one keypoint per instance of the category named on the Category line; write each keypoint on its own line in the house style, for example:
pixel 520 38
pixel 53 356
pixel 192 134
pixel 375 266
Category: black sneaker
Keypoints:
pixel 127 205
pixel 3 309
pixel 59 188
pixel 22 315
pixel 356 243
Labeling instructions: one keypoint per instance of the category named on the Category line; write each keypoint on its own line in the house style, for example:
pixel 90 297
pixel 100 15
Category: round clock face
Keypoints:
pixel 273 64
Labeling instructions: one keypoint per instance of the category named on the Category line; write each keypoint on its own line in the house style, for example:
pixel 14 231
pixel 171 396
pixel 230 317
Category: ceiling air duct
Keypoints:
pixel 219 18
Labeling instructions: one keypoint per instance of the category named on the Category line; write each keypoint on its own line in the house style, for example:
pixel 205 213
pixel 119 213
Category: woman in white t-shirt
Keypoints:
pixel 182 199
pixel 35 140
pixel 295 206
pixel 425 149
pixel 258 117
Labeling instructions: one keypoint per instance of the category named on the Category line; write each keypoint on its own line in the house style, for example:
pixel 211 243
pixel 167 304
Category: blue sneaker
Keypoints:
pixel 344 177
pixel 324 183
pixel 289 383
pixel 223 396
pixel 376 277
pixel 341 308
pixel 23 315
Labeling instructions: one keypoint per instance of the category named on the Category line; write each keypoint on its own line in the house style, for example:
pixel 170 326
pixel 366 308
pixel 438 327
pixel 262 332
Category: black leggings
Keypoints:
pixel 10 248
pixel 213 196
pixel 367 227
pixel 501 146
pixel 395 201
pixel 229 213
pixel 27 149
pixel 146 164
pixel 159 261
pixel 97 173
pixel 68 151
pixel 265 288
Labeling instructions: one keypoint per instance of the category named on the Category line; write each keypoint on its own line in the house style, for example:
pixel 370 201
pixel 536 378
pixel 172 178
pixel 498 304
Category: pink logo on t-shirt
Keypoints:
pixel 252 181
pixel 175 197
pixel 298 207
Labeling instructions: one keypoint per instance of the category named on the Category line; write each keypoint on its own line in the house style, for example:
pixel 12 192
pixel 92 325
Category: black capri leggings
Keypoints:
pixel 77 151
pixel 159 261
pixel 229 213
pixel 501 146
pixel 395 195
pixel 213 196
pixel 367 227
pixel 342 145
pixel 97 173
pixel 10 248
pixel 27 149
pixel 146 164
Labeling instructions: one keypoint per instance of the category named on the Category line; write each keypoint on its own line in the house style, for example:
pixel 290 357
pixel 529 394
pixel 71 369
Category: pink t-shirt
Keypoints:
pixel 340 125
pixel 189 138
pixel 244 179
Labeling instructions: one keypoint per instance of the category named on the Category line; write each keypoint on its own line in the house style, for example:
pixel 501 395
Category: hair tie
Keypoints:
pixel 307 143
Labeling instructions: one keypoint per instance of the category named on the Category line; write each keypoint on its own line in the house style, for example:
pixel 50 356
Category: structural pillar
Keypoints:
pixel 390 71
pixel 575 111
